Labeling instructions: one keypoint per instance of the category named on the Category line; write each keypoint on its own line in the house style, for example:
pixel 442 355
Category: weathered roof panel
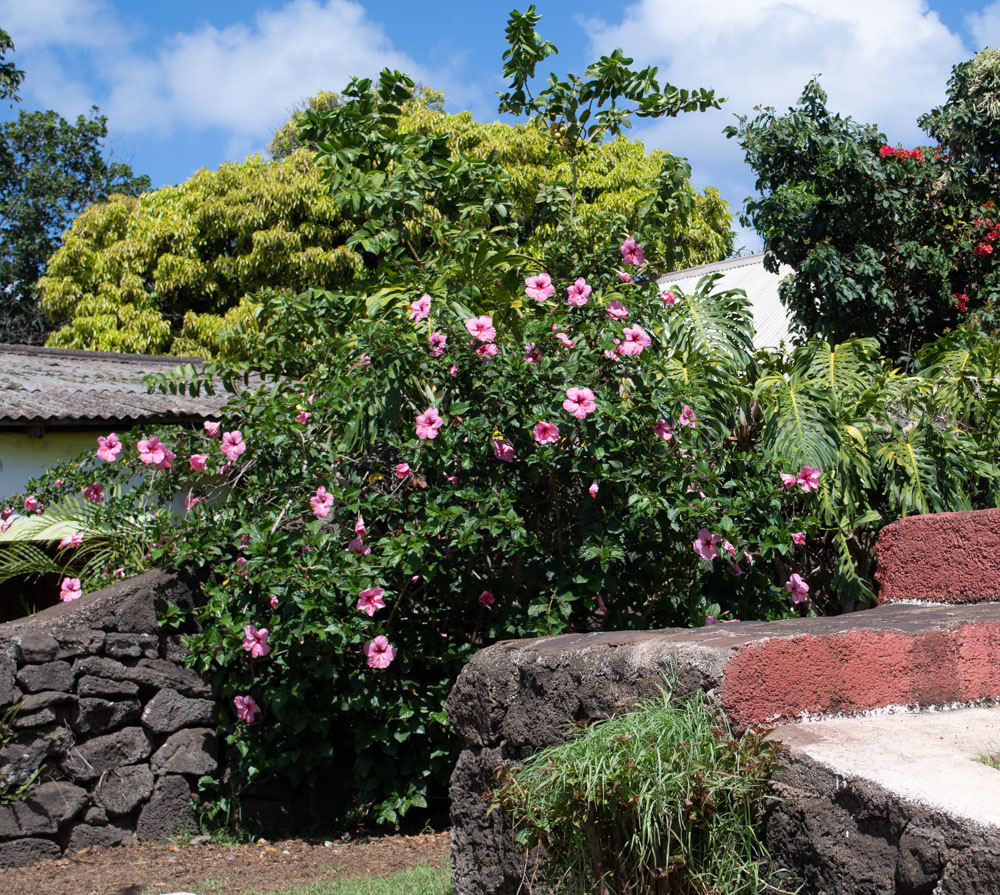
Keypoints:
pixel 67 388
pixel 769 315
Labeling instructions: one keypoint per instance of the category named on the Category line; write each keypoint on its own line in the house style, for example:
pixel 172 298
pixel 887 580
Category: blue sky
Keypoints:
pixel 190 84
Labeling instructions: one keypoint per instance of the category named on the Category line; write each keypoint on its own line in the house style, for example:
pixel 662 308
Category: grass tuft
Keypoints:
pixel 666 800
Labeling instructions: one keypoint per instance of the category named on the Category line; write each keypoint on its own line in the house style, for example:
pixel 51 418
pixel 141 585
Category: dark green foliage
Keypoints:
pixel 885 242
pixel 50 171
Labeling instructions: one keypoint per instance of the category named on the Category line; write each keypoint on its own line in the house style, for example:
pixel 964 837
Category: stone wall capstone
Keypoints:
pixel 110 731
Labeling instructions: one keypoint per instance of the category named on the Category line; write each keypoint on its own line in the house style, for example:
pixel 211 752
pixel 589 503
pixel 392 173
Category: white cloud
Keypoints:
pixel 41 23
pixel 882 62
pixel 241 80
pixel 985 26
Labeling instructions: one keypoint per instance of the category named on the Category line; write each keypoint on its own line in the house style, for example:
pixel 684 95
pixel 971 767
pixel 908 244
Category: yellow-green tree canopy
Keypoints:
pixel 172 270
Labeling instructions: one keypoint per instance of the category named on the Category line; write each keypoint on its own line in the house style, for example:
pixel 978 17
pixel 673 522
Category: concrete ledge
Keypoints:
pixel 893 803
pixel 522 692
pixel 940 558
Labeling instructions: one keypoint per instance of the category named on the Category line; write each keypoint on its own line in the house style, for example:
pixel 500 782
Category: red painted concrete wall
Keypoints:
pixel 940 558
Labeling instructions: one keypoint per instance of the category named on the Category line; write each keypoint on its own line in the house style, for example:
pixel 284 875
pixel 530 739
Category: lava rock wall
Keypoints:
pixel 106 732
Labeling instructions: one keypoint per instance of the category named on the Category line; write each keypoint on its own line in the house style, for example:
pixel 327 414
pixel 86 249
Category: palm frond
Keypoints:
pixel 800 423
pixel 847 369
pixel 718 325
pixel 911 462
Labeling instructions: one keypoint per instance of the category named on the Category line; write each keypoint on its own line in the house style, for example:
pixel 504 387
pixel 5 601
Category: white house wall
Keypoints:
pixel 24 457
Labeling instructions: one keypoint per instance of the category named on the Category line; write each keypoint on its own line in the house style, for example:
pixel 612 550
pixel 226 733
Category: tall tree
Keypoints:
pixel 51 169
pixel 890 242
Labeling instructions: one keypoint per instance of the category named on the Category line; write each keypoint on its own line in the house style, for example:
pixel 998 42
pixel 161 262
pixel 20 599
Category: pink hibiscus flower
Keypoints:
pixel 429 423
pixel 321 502
pixel 212 429
pixel 706 545
pixel 687 417
pixel 70 590
pixel 255 641
pixel 191 500
pixel 533 354
pixel 31 503
pixel 453 371
pixel 593 489
pixel 197 462
pixel 233 445
pixel 566 341
pixel 370 601
pixel 379 652
pixel 359 527
pixel 798 537
pixel 635 340
pixel 617 311
pixel 486 598
pixel 632 252
pixel 420 309
pixel 539 287
pixel 578 293
pixel 503 450
pixel 668 297
pixel 437 342
pixel 154 452
pixel 487 351
pixel 808 478
pixel 108 448
pixel 545 432
pixel 624 277
pixel 403 470
pixel 246 708
pixel 788 479
pixel 356 545
pixel 73 540
pixel 302 416
pixel 797 588
pixel 579 402
pixel 663 430
pixel 94 493
pixel 481 328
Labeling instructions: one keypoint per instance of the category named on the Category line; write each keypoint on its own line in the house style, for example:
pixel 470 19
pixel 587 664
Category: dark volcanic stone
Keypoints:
pixel 32 720
pixel 23 819
pixel 132 646
pixel 58 800
pixel 161 674
pixel 36 647
pixel 122 790
pixel 92 758
pixel 97 716
pixel 79 642
pixel 168 711
pixel 22 852
pixel 49 676
pixel 48 698
pixel 174 649
pixel 168 812
pixel 101 686
pixel 190 751
pixel 85 835
pixel 20 759
pixel 8 692
pixel 109 669
pixel 973 872
pixel 95 815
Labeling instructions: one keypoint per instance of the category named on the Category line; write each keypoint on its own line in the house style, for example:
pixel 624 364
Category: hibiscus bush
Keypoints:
pixel 408 478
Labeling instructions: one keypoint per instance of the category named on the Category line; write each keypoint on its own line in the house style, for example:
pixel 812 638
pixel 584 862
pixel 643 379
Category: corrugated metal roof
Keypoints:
pixel 769 315
pixel 63 388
